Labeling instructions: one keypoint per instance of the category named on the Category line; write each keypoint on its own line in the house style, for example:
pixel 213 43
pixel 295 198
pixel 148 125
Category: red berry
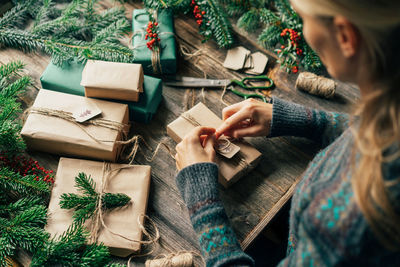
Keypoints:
pixel 156 23
pixel 203 12
pixel 282 47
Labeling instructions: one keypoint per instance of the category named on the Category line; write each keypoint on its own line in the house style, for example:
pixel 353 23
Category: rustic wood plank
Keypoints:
pixel 253 201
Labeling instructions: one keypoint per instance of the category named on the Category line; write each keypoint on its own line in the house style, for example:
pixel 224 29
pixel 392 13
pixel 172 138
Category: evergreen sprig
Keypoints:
pixel 71 249
pixel 216 23
pixel 85 205
pixel 74 31
pixel 24 229
pixel 275 16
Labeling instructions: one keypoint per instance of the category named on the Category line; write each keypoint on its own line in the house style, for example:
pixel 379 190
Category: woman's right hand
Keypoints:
pixel 247 118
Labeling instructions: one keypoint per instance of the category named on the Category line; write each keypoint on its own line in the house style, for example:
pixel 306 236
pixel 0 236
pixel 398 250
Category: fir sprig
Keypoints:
pixel 75 31
pixel 85 205
pixel 71 249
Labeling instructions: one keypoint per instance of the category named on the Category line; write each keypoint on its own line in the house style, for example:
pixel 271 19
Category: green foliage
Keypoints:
pixel 23 199
pixel 275 16
pixel 71 249
pixel 11 84
pixel 214 22
pixel 21 226
pixel 85 205
pixel 76 30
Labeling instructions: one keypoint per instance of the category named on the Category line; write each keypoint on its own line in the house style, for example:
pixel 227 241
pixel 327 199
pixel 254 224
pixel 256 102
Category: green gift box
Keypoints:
pixel 143 55
pixel 67 79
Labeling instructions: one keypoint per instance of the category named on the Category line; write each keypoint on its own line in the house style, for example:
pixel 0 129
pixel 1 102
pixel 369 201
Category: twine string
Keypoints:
pixel 226 142
pixel 67 116
pixel 98 221
pixel 316 85
pixel 156 52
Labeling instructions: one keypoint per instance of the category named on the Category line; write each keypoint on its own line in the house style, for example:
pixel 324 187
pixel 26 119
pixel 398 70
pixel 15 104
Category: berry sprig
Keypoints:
pixel 201 19
pixel 198 14
pixel 290 54
pixel 27 166
pixel 152 34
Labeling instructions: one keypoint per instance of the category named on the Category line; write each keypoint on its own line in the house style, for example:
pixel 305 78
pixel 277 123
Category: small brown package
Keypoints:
pixel 62 137
pixel 230 170
pixel 132 180
pixel 112 80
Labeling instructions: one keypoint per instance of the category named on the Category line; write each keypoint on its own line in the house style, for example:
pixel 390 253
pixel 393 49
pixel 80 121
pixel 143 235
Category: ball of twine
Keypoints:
pixel 316 85
pixel 183 259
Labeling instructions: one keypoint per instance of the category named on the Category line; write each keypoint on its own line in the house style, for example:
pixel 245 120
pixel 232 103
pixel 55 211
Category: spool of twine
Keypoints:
pixel 183 259
pixel 316 85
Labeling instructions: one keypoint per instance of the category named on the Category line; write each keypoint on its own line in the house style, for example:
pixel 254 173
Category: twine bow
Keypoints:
pixel 240 160
pixel 156 51
pixel 98 220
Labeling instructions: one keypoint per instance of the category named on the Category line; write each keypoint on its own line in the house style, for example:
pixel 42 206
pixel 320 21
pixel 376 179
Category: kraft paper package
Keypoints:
pixel 52 134
pixel 230 169
pixel 132 180
pixel 112 80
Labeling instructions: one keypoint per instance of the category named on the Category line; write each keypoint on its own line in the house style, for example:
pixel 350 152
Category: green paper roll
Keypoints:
pixel 67 79
pixel 142 54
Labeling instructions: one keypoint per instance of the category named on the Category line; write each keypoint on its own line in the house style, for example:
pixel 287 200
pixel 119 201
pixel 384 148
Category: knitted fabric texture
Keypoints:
pixel 326 225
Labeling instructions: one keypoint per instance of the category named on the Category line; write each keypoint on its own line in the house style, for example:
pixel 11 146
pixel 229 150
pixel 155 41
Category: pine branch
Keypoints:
pixel 10 69
pixel 70 249
pixel 249 20
pixel 22 185
pixel 220 26
pixel 16 87
pixel 85 205
pixel 112 32
pixel 15 17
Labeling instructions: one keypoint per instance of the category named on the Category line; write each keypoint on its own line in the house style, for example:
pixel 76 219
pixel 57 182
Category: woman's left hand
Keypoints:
pixel 197 146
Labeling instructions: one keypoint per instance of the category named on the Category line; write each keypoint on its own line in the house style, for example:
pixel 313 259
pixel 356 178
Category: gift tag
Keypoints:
pixel 249 64
pixel 236 57
pixel 226 148
pixel 85 111
pixel 259 63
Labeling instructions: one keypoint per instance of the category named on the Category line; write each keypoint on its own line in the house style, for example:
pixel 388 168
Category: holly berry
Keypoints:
pixel 26 166
pixel 198 14
pixel 152 34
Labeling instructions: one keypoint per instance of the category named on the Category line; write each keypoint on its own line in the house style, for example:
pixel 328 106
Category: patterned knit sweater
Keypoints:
pixel 326 226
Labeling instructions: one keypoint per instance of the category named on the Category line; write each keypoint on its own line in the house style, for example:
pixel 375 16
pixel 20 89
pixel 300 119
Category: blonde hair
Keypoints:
pixel 378 22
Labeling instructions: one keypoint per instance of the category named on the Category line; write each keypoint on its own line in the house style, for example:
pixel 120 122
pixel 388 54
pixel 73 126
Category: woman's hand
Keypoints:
pixel 247 118
pixel 197 146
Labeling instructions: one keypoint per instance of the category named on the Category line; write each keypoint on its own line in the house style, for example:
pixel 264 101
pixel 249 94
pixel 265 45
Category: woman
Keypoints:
pixel 346 209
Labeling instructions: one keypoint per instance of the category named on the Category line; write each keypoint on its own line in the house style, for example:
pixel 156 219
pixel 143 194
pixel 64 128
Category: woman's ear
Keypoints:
pixel 347 36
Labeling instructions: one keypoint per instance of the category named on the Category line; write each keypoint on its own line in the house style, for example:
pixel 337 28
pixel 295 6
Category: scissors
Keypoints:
pixel 244 83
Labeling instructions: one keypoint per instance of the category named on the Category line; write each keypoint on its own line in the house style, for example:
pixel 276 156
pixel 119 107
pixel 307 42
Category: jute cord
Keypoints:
pixel 238 159
pixel 316 85
pixel 99 219
pixel 67 116
pixel 156 51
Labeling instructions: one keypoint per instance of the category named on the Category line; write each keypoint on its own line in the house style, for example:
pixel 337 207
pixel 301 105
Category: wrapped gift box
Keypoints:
pixel 132 180
pixel 112 80
pixel 230 170
pixel 67 79
pixel 165 19
pixel 59 136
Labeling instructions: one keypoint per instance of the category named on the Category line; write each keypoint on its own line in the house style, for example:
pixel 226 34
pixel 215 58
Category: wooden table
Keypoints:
pixel 254 200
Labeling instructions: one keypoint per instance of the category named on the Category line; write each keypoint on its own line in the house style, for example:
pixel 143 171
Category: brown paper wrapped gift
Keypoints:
pixel 59 136
pixel 230 170
pixel 112 80
pixel 132 180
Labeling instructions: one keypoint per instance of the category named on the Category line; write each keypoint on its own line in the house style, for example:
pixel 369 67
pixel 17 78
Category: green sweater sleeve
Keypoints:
pixel 218 243
pixel 289 119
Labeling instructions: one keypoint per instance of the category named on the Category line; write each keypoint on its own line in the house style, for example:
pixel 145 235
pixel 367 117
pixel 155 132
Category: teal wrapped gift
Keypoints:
pixel 67 79
pixel 143 55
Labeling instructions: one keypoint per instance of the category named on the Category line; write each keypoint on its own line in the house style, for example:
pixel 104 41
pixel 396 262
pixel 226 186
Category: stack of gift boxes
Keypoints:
pixel 85 110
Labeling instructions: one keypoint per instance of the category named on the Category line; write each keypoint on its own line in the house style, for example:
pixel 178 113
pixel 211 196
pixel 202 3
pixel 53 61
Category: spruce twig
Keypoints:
pixel 85 205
